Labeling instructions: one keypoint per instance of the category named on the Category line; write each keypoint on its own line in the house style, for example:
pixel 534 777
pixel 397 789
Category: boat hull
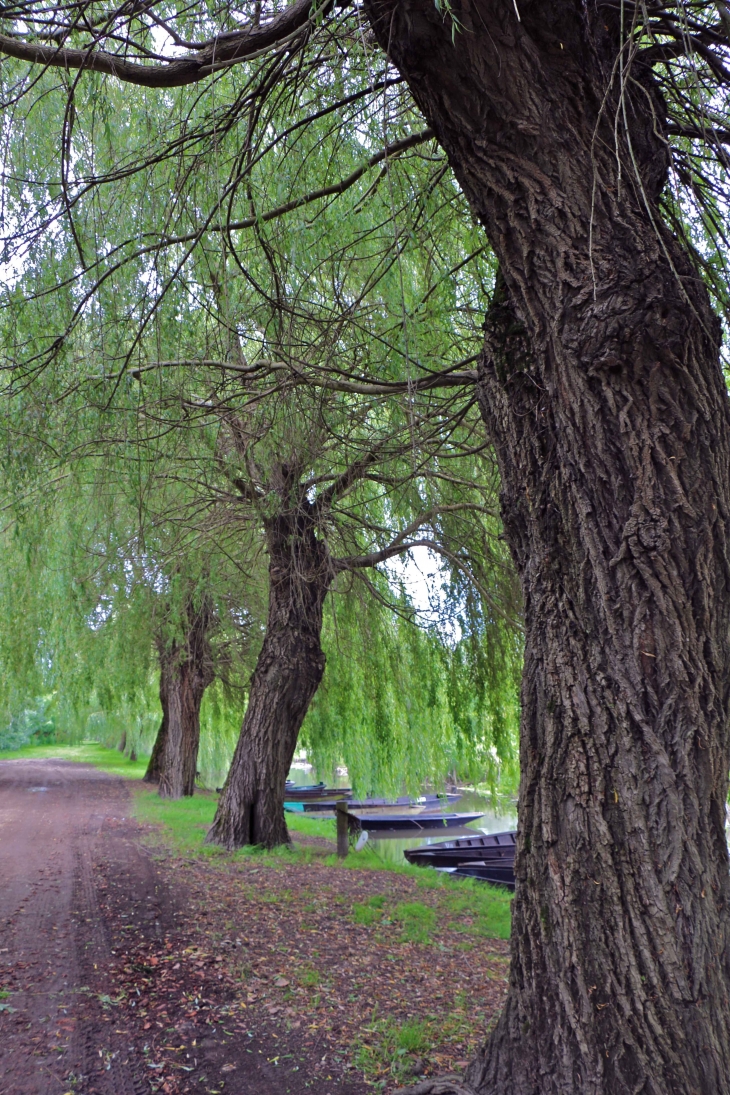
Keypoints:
pixel 319 794
pixel 327 803
pixel 488 872
pixel 489 847
pixel 416 822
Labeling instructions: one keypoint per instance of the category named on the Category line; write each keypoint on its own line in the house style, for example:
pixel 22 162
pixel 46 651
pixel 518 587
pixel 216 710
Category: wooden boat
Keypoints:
pixel 487 847
pixel 318 793
pixel 327 809
pixel 404 800
pixel 423 801
pixel 317 813
pixel 418 819
pixel 495 873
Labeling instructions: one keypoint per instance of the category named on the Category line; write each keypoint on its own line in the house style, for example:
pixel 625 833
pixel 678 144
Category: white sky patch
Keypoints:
pixel 423 575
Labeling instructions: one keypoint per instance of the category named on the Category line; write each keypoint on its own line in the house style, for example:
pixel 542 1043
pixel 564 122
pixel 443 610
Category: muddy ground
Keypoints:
pixel 127 969
pixel 65 840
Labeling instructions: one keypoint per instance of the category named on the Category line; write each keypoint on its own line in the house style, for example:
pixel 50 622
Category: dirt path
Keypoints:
pixel 78 895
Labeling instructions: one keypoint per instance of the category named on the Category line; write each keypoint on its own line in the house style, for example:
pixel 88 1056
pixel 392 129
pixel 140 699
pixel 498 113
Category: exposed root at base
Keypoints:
pixel 442 1085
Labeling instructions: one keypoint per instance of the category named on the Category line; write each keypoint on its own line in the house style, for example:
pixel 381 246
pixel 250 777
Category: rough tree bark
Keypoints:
pixel 602 391
pixel 154 768
pixel 186 670
pixel 287 675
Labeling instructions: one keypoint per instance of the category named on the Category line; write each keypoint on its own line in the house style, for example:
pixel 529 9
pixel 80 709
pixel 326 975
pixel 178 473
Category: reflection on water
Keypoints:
pixel 304 777
pixel 391 846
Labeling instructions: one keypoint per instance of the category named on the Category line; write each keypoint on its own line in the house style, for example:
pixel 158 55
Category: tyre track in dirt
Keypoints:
pixel 53 942
pixel 81 902
pixel 105 1061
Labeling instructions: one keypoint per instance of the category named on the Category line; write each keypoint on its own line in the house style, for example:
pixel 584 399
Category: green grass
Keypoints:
pixel 370 911
pixel 312 826
pixel 417 921
pixel 488 907
pixel 481 910
pixel 363 913
pixel 391 1047
pixel 478 910
pixel 308 977
pixel 87 752
pixel 184 821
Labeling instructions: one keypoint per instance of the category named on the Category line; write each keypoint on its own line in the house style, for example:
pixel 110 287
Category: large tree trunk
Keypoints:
pixel 602 391
pixel 186 670
pixel 287 675
pixel 154 768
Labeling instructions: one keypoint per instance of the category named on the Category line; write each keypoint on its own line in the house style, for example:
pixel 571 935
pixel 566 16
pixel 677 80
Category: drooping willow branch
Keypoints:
pixel 225 49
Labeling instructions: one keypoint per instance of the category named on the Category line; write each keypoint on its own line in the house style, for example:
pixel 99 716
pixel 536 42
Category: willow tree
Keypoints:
pixel 334 487
pixel 186 670
pixel 421 692
pixel 306 378
pixel 602 392
pixel 102 607
pixel 197 619
pixel 176 602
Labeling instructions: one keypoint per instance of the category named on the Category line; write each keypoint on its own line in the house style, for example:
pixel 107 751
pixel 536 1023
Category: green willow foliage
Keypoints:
pixel 403 706
pixel 159 244
pixel 59 645
pixel 91 608
pixel 172 365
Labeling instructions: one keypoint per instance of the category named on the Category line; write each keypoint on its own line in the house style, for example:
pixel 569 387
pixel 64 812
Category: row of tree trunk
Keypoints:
pixel 186 670
pixel 602 392
pixel 288 672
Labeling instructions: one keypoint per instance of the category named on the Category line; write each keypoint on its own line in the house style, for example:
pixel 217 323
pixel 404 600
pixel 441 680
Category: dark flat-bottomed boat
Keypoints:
pixel 486 872
pixel 417 820
pixel 373 803
pixel 486 847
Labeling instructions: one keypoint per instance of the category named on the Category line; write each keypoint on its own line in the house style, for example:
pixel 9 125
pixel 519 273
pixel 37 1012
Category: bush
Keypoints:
pixel 30 726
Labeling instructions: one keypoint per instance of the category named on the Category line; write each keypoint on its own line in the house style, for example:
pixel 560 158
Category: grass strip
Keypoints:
pixel 85 752
pixel 184 823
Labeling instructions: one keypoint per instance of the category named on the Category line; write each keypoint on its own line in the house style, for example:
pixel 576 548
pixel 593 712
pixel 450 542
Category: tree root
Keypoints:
pixel 441 1085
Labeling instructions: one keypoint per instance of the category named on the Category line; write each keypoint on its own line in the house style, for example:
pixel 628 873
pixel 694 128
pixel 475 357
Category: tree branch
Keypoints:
pixel 343 482
pixel 363 562
pixel 401 542
pixel 699 132
pixel 340 187
pixel 456 377
pixel 225 49
pixel 445 379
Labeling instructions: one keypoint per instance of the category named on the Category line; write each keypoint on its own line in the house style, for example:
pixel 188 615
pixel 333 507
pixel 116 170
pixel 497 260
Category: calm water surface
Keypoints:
pixel 390 847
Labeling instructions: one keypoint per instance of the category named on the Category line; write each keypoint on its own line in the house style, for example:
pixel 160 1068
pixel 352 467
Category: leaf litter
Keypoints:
pixel 361 978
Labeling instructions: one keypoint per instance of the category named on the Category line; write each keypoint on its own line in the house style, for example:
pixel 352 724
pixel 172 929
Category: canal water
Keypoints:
pixel 391 846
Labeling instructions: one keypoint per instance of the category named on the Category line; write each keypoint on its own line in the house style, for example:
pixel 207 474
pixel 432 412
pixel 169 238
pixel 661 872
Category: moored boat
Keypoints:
pixel 375 821
pixel 318 793
pixel 404 800
pixel 485 847
pixel 422 802
pixel 494 873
